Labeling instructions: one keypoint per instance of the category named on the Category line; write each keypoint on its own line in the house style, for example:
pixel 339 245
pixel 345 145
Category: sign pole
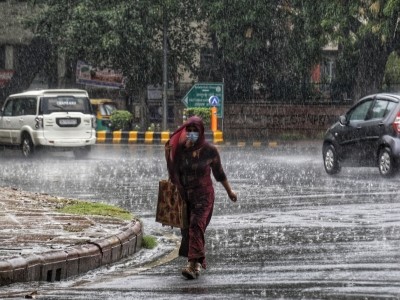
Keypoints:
pixel 214 119
pixel 165 75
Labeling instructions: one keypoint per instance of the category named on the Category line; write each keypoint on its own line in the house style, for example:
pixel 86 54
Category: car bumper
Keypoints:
pixel 65 143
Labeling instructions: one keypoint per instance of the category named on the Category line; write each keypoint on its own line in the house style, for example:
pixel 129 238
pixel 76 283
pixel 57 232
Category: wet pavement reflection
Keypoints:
pixel 295 232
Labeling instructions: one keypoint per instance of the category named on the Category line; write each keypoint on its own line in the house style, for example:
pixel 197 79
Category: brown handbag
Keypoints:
pixel 171 208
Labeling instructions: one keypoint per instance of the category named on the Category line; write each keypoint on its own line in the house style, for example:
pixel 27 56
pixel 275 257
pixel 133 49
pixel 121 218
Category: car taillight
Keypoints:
pixel 39 122
pixel 396 123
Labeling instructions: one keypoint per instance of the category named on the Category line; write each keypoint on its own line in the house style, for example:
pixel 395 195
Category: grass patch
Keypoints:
pixel 292 137
pixel 297 136
pixel 149 242
pixel 94 208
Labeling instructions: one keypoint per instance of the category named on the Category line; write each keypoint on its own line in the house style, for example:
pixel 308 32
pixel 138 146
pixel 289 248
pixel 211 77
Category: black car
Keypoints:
pixel 367 135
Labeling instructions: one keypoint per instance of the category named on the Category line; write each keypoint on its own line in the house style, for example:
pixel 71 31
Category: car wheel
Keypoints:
pixel 82 152
pixel 386 163
pixel 27 146
pixel 331 160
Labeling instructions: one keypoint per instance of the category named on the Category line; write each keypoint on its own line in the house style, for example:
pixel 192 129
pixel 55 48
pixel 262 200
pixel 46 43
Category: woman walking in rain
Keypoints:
pixel 190 161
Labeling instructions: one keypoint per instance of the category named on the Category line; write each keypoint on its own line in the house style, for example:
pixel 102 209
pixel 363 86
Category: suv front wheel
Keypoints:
pixel 27 146
pixel 331 160
pixel 386 163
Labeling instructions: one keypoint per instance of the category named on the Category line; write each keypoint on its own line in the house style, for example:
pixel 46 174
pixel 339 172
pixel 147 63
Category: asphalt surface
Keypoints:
pixel 31 226
pixel 295 233
pixel 38 243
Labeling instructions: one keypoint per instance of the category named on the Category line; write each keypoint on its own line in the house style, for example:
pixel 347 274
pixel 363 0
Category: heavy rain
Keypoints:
pixel 268 79
pixel 295 232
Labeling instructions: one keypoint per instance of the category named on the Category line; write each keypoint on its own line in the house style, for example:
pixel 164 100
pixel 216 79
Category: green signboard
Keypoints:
pixel 206 95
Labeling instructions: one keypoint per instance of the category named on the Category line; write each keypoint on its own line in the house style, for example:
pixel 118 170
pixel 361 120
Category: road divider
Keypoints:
pixel 147 137
pixel 154 137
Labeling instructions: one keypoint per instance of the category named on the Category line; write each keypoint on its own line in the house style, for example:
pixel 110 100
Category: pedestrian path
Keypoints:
pixel 37 243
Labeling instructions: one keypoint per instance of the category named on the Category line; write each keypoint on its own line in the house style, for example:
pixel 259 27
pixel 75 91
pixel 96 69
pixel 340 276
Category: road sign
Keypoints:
pixel 206 95
pixel 214 101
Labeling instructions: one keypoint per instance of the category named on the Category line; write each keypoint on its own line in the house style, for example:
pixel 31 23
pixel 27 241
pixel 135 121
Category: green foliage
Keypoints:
pixel 392 73
pixel 366 32
pixel 202 112
pixel 154 127
pixel 149 242
pixel 262 41
pixel 292 136
pixel 123 35
pixel 95 208
pixel 273 42
pixel 121 119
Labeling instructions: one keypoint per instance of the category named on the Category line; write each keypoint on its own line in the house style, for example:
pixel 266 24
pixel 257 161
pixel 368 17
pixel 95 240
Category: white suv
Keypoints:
pixel 57 119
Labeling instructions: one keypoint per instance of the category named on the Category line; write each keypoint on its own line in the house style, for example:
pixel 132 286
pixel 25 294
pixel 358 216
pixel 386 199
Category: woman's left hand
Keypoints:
pixel 232 196
pixel 228 189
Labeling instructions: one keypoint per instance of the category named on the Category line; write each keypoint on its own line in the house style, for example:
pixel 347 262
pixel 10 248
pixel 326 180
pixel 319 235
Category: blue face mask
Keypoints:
pixel 192 136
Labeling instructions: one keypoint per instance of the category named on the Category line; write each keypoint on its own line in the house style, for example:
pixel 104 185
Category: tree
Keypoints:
pixel 392 72
pixel 260 41
pixel 123 35
pixel 367 32
pixel 278 42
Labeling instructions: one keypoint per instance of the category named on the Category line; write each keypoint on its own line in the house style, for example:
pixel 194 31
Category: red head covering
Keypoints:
pixel 176 143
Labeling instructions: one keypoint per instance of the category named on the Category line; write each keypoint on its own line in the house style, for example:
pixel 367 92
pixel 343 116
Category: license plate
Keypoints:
pixel 68 121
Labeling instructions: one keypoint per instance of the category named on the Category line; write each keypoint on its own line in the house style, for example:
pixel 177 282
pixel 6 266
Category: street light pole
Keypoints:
pixel 165 74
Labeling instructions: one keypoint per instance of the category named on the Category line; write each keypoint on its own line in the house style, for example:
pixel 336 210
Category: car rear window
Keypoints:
pixel 50 105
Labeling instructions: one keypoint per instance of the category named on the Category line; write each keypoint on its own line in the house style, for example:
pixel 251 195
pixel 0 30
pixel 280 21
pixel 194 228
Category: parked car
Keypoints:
pixel 103 109
pixel 56 119
pixel 367 135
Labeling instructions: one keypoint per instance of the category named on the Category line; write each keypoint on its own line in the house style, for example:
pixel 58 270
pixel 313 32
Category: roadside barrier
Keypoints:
pixel 147 137
pixel 154 137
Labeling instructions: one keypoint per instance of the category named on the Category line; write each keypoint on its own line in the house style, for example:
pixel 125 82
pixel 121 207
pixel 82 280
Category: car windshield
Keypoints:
pixel 50 105
pixel 107 108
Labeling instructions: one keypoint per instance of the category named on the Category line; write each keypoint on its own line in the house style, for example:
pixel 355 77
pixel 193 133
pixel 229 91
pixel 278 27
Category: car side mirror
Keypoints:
pixel 343 120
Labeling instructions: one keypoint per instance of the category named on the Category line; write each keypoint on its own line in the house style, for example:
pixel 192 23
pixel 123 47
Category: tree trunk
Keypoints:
pixel 370 68
pixel 144 110
pixel 31 60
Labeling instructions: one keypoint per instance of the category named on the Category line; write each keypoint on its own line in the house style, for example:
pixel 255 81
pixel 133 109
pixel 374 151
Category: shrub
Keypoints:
pixel 202 112
pixel 149 242
pixel 121 119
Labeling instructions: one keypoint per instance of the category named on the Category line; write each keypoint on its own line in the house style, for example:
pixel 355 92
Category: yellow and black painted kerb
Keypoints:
pixel 147 137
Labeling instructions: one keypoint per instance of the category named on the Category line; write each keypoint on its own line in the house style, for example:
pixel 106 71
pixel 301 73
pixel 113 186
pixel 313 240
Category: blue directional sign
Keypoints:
pixel 206 95
pixel 213 101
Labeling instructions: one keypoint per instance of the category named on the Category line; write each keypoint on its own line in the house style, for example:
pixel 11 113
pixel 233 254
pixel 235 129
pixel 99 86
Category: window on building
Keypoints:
pixel 328 70
pixel 208 66
pixel 206 58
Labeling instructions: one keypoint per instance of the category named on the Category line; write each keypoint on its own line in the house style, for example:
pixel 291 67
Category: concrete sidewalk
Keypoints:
pixel 37 243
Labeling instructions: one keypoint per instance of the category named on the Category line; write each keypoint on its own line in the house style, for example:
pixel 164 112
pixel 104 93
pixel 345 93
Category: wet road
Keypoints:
pixel 295 232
